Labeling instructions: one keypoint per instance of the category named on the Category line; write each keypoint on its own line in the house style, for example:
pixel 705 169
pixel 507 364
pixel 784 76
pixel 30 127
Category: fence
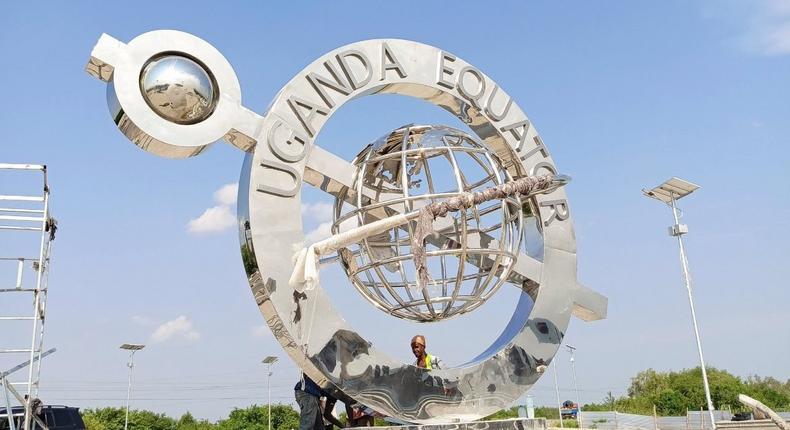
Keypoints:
pixel 694 420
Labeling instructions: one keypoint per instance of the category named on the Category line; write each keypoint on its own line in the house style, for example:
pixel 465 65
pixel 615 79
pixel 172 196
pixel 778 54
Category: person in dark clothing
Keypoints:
pixel 307 395
pixel 311 412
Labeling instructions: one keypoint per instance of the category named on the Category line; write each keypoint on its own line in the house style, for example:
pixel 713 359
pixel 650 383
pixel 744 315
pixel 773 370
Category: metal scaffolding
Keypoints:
pixel 21 215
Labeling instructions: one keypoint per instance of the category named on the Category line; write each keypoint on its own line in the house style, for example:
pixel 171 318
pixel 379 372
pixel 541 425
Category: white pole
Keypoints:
pixel 576 387
pixel 557 389
pixel 269 389
pixel 129 389
pixel 687 279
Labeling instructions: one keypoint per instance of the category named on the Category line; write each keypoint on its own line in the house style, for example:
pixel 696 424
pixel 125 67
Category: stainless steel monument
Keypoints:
pixel 173 94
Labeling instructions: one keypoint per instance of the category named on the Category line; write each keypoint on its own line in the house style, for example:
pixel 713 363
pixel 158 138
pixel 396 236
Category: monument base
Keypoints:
pixel 509 424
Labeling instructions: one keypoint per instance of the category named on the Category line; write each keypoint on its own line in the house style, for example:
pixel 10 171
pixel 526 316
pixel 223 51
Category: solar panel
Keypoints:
pixel 673 187
pixel 132 346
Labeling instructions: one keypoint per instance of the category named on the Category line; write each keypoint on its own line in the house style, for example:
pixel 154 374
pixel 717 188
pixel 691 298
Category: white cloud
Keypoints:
pixel 769 31
pixel 324 230
pixel 321 232
pixel 319 212
pixel 217 218
pixel 764 24
pixel 226 195
pixel 179 328
pixel 323 215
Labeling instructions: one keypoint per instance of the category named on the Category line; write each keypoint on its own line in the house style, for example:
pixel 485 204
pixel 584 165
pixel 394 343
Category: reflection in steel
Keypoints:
pixel 281 156
pixel 178 89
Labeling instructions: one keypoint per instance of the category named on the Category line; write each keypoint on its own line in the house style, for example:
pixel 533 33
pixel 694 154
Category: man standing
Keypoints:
pixel 424 360
pixel 307 394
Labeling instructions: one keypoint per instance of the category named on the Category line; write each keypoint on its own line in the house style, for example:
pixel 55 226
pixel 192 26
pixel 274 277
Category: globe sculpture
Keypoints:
pixel 403 171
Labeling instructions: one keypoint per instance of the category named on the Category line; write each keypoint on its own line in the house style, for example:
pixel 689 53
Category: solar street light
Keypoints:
pixel 132 348
pixel 669 192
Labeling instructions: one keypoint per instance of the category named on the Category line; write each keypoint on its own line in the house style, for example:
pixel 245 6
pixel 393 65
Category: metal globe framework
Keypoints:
pixel 403 171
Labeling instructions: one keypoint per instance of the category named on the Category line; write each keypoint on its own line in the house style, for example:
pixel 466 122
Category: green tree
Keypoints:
pixel 670 402
pixel 113 419
pixel 188 422
pixel 771 392
pixel 256 417
pixel 550 413
pixel 248 259
pixel 503 414
pixel 92 422
pixel 648 383
pixel 674 393
pixel 609 400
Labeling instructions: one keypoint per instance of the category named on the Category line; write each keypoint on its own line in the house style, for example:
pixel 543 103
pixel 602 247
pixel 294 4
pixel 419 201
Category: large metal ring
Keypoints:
pixel 313 333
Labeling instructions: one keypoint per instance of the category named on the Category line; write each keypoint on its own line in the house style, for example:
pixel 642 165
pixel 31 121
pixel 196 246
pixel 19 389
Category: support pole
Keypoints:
pixel 129 389
pixel 687 280
pixel 269 390
pixel 268 361
pixel 576 387
pixel 557 389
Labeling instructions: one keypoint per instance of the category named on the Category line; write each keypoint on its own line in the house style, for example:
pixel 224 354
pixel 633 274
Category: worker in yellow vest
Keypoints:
pixel 424 360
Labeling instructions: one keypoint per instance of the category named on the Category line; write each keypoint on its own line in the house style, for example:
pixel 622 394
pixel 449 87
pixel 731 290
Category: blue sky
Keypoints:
pixel 625 95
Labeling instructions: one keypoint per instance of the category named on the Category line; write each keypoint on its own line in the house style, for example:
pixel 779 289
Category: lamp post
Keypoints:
pixel 572 349
pixel 268 361
pixel 557 389
pixel 668 193
pixel 132 348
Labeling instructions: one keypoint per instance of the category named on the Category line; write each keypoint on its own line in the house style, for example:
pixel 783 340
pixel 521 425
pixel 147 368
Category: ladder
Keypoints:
pixel 26 234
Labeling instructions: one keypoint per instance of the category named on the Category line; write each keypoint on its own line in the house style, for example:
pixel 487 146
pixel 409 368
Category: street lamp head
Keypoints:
pixel 132 346
pixel 269 360
pixel 672 189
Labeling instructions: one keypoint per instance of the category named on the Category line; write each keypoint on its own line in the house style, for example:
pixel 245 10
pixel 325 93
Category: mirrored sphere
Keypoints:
pixel 178 89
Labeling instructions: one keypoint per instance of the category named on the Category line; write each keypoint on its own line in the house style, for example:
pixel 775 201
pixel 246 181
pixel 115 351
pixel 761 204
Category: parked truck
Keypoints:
pixel 569 409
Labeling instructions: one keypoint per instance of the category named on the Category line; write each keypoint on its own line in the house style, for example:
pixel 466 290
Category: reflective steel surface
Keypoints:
pixel 178 89
pixel 282 156
pixel 121 65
